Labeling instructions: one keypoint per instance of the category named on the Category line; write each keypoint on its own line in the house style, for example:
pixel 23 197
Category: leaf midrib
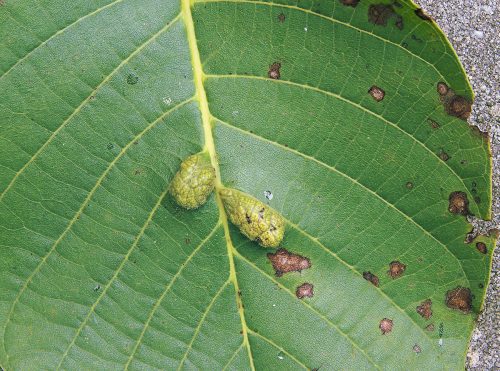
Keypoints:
pixel 210 148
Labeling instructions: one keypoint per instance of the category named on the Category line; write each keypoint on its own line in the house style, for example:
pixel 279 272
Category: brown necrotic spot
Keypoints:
pixel 281 18
pixel 386 326
pixel 422 15
pixel 417 349
pixel 376 93
pixel 369 276
pixel 306 290
pixel 380 14
pixel 409 185
pixel 459 107
pixel 433 124
pixel 352 3
pixel 443 155
pixel 442 88
pixel 458 203
pixel 481 247
pixel 284 261
pixel 430 327
pixel 460 299
pixel 396 269
pixel 454 105
pixel 425 309
pixel 274 71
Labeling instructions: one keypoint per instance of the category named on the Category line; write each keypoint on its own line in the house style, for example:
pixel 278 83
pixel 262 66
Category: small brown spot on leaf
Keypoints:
pixel 422 15
pixel 433 124
pixel 284 261
pixel 385 326
pixel 281 18
pixel 425 309
pixel 443 155
pixel 409 185
pixel 380 14
pixel 442 88
pixel 369 276
pixel 481 247
pixel 352 3
pixel 376 93
pixel 458 203
pixel 430 327
pixel 454 105
pixel 396 269
pixel 460 299
pixel 274 71
pixel 306 290
pixel 417 349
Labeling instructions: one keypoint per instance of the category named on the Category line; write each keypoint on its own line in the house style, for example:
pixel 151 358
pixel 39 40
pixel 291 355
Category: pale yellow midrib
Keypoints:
pixel 210 148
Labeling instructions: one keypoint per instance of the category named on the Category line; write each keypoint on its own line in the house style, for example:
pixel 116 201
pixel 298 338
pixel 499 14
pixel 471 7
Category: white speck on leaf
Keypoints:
pixel 167 101
pixel 268 195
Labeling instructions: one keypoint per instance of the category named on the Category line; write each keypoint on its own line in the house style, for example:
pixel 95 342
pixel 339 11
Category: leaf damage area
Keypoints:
pixel 460 299
pixel 379 14
pixel 369 276
pixel 306 290
pixel 377 93
pixel 458 203
pixel 352 3
pixel 274 71
pixel 385 326
pixel 425 309
pixel 396 269
pixel 454 104
pixel 284 261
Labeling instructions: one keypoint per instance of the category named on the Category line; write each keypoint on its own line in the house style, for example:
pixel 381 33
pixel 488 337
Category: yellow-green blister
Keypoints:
pixel 256 220
pixel 194 181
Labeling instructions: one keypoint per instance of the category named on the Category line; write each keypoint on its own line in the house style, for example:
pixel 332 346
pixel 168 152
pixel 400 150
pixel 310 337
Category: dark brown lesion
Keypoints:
pixel 380 14
pixel 284 261
pixel 422 15
pixel 281 18
pixel 454 104
pixel 369 276
pixel 352 3
pixel 306 290
pixel 377 93
pixel 425 309
pixel 481 247
pixel 274 71
pixel 460 299
pixel 443 155
pixel 458 203
pixel 396 269
pixel 386 325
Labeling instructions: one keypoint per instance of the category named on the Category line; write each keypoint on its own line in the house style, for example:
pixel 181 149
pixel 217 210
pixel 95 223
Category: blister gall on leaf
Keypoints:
pixel 194 181
pixel 256 220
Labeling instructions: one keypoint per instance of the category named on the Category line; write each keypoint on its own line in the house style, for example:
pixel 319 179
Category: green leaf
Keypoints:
pixel 350 114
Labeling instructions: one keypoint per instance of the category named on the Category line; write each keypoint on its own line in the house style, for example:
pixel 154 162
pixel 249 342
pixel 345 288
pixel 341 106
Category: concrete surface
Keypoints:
pixel 473 27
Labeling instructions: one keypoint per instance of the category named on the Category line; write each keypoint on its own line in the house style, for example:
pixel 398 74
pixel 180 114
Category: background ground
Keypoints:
pixel 473 27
